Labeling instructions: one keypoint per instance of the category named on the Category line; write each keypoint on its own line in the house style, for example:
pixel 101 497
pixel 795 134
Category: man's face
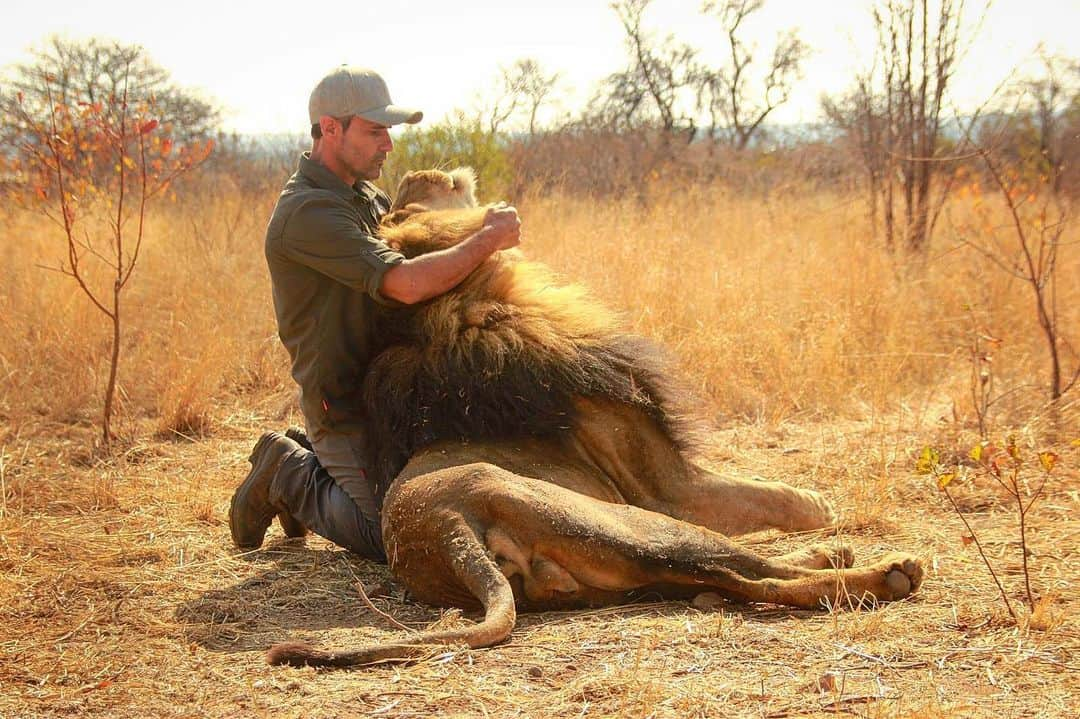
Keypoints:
pixel 364 147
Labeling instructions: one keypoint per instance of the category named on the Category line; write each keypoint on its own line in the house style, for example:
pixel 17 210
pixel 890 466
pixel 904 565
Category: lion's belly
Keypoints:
pixel 547 461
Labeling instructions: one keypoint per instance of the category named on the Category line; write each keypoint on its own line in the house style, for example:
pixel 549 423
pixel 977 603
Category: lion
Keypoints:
pixel 537 456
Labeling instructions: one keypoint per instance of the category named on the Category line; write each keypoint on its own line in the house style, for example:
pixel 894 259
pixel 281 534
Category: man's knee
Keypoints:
pixel 360 529
pixel 367 541
pixel 317 500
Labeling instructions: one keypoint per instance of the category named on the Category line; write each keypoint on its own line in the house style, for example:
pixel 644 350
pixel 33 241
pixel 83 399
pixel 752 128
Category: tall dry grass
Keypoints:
pixel 785 306
pixel 197 321
pixel 777 307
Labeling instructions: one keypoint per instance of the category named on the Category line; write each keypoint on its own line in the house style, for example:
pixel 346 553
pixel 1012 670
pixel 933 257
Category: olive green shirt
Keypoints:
pixel 326 267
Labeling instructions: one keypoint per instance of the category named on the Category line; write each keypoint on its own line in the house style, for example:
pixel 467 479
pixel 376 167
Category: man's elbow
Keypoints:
pixel 399 289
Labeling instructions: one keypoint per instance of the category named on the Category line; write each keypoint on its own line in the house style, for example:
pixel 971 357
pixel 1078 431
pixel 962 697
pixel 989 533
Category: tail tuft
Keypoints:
pixel 299 654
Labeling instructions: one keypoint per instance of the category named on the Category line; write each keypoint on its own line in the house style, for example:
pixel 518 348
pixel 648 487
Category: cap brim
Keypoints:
pixel 392 115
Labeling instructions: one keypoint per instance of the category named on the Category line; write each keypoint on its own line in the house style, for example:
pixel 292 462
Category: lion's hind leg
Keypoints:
pixel 595 552
pixel 473 568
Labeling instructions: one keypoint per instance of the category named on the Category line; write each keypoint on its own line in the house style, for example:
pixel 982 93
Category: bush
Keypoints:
pixel 452 143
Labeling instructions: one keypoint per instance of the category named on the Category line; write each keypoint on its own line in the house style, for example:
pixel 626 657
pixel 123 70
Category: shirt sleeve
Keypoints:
pixel 325 234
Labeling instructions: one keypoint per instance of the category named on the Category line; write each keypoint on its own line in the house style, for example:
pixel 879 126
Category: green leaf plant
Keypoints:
pixel 1003 465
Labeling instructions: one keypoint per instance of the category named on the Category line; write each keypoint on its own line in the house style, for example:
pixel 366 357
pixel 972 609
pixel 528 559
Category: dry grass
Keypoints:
pixel 827 366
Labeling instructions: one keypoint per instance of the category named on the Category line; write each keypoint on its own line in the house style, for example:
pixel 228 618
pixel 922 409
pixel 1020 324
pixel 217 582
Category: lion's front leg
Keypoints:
pixel 737 506
pixel 651 473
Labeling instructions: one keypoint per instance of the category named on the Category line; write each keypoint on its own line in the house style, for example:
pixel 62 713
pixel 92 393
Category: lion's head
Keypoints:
pixel 433 210
pixel 433 190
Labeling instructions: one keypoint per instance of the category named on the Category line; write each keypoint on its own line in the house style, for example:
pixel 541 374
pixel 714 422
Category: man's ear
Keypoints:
pixel 329 126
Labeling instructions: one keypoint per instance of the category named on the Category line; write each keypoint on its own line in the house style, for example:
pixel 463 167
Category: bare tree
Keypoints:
pixel 655 88
pixel 1028 247
pixel 858 114
pixel 1050 97
pixel 900 103
pixel 95 73
pixel 917 66
pixel 503 107
pixel 65 154
pixel 525 89
pixel 735 112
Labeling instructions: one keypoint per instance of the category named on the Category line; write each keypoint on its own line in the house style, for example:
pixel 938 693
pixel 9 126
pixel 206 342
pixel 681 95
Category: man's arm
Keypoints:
pixel 432 274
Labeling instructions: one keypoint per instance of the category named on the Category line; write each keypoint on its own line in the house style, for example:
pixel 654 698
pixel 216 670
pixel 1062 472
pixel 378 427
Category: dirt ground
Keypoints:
pixel 121 596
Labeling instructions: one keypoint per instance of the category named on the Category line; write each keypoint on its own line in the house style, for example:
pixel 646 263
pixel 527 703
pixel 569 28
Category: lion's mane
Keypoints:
pixel 504 355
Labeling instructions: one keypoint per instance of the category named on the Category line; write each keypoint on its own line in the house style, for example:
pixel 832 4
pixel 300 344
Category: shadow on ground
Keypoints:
pixel 297 591
pixel 302 592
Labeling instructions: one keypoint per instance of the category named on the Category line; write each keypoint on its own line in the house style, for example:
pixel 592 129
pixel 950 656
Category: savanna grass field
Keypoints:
pixel 820 359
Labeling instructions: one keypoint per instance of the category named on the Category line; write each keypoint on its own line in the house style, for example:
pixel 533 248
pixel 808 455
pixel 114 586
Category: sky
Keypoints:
pixel 259 60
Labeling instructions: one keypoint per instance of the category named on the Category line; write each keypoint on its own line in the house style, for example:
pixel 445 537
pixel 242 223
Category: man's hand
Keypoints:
pixel 434 273
pixel 502 227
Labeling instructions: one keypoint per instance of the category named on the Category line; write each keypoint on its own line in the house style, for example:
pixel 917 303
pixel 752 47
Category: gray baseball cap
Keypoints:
pixel 348 90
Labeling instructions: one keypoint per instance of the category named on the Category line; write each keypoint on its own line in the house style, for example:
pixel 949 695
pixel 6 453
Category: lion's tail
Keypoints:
pixel 476 571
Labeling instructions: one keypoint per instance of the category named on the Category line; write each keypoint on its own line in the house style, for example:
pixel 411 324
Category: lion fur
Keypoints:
pixel 502 355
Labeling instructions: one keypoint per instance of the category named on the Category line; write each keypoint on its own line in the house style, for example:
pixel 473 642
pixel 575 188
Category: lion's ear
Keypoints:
pixel 396 217
pixel 464 182
pixel 403 188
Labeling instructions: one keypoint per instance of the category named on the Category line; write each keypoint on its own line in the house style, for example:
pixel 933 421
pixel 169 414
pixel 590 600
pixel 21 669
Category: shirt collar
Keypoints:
pixel 321 177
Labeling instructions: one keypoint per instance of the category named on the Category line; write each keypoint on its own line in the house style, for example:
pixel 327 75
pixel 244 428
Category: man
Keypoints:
pixel 328 270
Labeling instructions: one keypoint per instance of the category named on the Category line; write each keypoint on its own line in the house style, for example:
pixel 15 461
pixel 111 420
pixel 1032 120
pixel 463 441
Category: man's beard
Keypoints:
pixel 372 170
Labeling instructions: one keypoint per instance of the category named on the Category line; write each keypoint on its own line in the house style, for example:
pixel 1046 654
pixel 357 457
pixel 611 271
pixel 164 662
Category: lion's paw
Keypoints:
pixel 901 575
pixel 833 555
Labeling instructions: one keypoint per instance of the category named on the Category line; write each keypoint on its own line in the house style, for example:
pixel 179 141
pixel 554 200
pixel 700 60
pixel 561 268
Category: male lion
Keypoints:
pixel 539 459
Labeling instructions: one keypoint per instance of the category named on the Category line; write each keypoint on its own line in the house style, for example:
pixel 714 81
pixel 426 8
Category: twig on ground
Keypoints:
pixel 371 605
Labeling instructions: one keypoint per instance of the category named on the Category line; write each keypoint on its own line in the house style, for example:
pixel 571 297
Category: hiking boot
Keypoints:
pixel 290 524
pixel 252 510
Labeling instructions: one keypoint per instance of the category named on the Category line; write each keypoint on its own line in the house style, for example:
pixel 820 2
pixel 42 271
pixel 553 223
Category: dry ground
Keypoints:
pixel 121 596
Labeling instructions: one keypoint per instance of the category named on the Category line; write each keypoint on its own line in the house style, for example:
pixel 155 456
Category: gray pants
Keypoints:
pixel 328 491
